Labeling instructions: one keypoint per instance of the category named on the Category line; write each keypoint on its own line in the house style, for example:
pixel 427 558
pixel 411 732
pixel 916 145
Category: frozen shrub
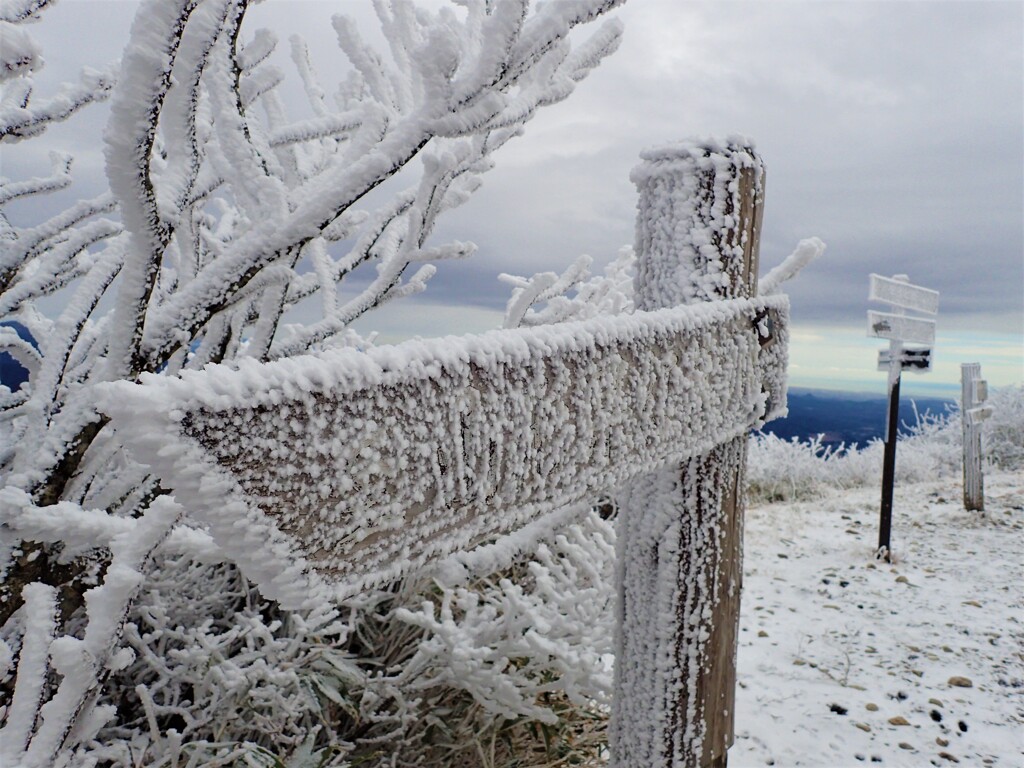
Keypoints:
pixel 122 638
pixel 1003 434
pixel 931 447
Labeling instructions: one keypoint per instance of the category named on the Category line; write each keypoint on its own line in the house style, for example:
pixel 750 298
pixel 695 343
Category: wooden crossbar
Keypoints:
pixel 347 470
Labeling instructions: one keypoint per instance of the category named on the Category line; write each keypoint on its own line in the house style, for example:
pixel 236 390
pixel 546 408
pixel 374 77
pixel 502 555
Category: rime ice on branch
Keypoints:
pixel 224 212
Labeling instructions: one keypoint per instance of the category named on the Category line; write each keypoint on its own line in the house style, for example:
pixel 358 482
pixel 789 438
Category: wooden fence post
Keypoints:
pixel 973 392
pixel 680 529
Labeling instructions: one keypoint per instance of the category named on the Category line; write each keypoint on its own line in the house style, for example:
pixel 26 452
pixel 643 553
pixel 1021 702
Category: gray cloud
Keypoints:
pixel 892 130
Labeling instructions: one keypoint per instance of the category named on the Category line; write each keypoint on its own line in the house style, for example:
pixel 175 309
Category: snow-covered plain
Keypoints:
pixel 845 660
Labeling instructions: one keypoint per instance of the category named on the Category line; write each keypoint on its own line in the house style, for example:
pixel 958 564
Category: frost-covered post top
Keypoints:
pixel 698 222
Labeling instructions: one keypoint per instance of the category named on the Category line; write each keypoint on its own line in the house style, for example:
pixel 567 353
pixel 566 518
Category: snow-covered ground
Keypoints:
pixel 845 660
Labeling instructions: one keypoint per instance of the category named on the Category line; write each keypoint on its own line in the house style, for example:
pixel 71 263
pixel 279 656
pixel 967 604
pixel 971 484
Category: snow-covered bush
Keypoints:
pixel 930 446
pixel 1003 433
pixel 225 211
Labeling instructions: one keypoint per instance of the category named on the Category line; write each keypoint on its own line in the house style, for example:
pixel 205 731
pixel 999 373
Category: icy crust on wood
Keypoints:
pixel 324 475
pixel 669 649
pixel 692 223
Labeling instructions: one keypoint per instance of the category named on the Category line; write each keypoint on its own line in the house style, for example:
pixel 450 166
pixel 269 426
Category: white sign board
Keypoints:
pixel 348 469
pixel 914 330
pixel 980 390
pixel 903 295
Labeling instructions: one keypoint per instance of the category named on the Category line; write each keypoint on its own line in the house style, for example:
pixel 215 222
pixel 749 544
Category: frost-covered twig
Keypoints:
pixel 806 251
pixel 610 293
pixel 40 623
pixel 84 664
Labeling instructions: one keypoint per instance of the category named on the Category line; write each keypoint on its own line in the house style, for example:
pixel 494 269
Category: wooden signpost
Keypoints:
pixel 900 329
pixel 324 475
pixel 973 394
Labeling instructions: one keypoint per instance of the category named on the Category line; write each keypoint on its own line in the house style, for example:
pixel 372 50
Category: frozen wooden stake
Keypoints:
pixel 326 474
pixel 680 528
pixel 973 393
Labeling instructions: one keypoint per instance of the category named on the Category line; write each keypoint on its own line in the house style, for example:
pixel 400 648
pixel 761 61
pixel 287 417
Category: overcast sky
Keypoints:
pixel 892 130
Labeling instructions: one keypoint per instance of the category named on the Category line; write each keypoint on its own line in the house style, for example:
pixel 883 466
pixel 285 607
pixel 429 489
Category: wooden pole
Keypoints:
pixel 680 529
pixel 974 481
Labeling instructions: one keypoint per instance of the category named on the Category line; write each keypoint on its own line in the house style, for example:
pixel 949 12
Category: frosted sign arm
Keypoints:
pixel 904 295
pixel 914 330
pixel 324 475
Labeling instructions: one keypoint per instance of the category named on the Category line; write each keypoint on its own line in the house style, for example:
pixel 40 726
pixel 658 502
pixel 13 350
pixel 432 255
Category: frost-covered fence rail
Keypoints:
pixel 359 467
pixel 322 475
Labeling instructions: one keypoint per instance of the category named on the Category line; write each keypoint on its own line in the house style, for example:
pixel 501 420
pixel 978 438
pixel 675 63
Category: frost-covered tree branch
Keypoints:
pixel 226 208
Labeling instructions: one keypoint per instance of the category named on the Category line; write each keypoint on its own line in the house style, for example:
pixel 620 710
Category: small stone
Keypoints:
pixel 936 702
pixel 871 707
pixel 941 741
pixel 936 715
pixel 947 649
pixel 975 603
pixel 799 663
pixel 902 580
pixel 947 756
pixel 962 726
pixel 864 727
pixel 917 672
pixel 898 720
pixel 904 745
pixel 855 687
pixel 838 709
pixel 959 681
pixel 762 633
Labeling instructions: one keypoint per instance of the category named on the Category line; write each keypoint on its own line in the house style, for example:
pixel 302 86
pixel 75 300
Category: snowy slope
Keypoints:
pixel 835 646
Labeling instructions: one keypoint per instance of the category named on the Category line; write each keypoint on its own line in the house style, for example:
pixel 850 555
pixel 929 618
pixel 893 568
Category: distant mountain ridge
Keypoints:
pixel 851 418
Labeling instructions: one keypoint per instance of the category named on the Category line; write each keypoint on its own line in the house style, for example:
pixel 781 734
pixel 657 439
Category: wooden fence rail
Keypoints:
pixel 324 475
